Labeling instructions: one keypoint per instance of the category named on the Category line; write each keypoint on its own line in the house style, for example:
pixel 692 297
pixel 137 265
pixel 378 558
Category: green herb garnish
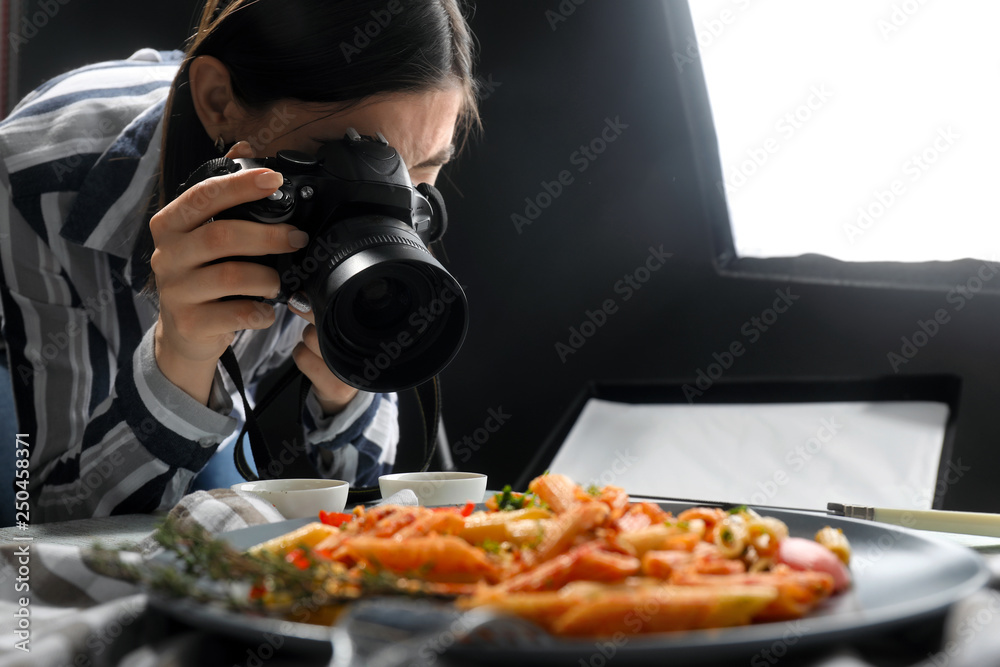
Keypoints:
pixel 508 500
pixel 207 569
pixel 491 546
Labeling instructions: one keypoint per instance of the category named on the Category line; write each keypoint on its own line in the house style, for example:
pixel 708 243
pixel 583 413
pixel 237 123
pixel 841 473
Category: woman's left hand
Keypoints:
pixel 332 393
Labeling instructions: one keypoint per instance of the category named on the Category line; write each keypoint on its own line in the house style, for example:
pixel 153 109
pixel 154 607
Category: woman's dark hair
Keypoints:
pixel 336 52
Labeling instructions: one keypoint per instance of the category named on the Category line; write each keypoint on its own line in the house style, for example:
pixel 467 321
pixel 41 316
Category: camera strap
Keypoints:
pixel 268 460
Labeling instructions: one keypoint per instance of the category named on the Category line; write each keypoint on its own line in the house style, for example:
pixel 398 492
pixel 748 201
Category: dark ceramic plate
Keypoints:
pixel 900 577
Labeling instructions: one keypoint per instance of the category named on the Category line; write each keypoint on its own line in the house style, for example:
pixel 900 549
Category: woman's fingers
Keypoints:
pixel 309 316
pixel 213 325
pixel 241 238
pixel 196 319
pixel 200 250
pixel 332 393
pixel 310 363
pixel 208 198
pixel 229 279
pixel 310 336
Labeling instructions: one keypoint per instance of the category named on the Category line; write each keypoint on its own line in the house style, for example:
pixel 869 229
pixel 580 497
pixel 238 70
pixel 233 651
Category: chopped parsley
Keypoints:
pixel 507 500
pixel 491 546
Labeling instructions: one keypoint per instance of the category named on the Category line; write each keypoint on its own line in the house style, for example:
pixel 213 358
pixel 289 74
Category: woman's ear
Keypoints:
pixel 212 95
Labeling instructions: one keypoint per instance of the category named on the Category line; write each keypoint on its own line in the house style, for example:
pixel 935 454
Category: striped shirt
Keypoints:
pixel 109 433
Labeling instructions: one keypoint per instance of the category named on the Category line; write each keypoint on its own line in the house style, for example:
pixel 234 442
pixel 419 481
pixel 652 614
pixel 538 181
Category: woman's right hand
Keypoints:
pixel 195 324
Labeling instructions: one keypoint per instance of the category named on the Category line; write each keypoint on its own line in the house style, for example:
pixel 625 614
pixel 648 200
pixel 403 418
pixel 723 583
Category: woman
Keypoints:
pixel 121 394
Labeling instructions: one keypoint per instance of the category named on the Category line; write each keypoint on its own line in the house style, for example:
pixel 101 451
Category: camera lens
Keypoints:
pixel 382 303
pixel 388 315
pixel 380 308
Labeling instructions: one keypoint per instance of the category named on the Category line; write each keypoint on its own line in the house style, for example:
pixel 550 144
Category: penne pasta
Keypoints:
pixel 834 540
pixel 444 558
pixel 578 562
pixel 307 536
pixel 496 526
pixel 557 491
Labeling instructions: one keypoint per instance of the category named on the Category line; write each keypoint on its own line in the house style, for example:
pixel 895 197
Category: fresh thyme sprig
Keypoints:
pixel 201 567
pixel 206 569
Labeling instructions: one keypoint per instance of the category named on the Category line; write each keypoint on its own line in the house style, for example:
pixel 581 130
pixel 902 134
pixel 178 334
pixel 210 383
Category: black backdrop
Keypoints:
pixel 552 87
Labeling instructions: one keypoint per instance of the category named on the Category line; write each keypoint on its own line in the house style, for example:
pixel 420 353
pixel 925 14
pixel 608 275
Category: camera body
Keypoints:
pixel 388 315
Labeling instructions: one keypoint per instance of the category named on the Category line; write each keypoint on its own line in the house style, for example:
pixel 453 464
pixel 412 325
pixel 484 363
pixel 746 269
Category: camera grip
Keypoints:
pixel 217 167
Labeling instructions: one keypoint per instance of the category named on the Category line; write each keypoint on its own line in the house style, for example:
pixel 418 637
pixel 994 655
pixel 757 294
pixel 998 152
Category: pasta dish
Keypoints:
pixel 577 562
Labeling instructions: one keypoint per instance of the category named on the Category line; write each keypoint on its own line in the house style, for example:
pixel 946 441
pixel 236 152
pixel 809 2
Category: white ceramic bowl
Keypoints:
pixel 436 488
pixel 300 498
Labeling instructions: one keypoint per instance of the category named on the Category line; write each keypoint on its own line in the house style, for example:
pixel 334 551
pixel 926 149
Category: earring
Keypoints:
pixel 220 145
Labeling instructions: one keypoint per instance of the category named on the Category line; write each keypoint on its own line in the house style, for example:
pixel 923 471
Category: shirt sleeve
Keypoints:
pixel 109 434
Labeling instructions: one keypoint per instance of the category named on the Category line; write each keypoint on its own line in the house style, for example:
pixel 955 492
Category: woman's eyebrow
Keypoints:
pixel 443 157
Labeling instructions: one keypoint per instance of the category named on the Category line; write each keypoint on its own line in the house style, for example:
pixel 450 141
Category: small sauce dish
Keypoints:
pixel 437 488
pixel 299 498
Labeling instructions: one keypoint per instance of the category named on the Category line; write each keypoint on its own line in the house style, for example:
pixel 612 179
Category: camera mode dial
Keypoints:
pixel 289 161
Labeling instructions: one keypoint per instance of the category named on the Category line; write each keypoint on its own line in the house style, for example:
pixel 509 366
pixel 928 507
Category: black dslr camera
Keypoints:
pixel 388 315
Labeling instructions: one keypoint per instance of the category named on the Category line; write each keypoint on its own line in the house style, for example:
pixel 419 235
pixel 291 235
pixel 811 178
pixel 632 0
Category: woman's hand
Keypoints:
pixel 195 324
pixel 332 393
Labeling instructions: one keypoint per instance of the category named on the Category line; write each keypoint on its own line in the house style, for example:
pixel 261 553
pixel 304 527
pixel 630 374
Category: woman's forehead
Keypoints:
pixel 420 125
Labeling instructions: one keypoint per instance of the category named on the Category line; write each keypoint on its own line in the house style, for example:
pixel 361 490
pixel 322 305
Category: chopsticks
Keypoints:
pixel 943 521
